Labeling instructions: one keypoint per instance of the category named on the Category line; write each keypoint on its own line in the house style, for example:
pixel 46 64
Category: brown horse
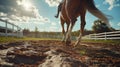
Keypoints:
pixel 71 9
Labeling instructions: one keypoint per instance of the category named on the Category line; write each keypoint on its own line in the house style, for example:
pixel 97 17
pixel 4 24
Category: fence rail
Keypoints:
pixel 6 31
pixel 106 36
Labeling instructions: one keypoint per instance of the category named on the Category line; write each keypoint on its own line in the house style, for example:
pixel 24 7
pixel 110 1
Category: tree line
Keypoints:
pixel 98 27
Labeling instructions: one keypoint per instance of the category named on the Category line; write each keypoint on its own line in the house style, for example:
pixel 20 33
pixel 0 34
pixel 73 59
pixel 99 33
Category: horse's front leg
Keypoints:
pixel 68 33
pixel 83 23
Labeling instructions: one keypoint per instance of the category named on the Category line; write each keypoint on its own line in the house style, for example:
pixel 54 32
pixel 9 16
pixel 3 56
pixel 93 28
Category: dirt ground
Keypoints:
pixel 52 53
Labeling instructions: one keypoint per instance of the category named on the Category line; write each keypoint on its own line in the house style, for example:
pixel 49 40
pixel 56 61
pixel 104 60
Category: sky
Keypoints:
pixel 29 14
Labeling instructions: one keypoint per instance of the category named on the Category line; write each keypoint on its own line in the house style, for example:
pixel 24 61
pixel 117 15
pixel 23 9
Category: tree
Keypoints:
pixel 86 32
pixel 99 27
pixel 26 31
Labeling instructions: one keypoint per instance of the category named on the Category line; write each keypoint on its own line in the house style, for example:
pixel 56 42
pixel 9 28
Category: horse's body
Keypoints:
pixel 71 9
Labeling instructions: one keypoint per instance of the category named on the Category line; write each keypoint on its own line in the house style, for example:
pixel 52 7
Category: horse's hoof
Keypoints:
pixel 76 44
pixel 68 43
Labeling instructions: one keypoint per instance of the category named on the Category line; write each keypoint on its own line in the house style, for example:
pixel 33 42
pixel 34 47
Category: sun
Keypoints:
pixel 26 4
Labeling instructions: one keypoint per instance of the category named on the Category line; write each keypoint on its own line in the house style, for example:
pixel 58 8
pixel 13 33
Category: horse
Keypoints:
pixel 71 9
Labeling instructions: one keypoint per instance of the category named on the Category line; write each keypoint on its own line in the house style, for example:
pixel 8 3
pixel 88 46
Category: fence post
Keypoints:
pixel 13 29
pixel 95 37
pixel 89 37
pixel 17 31
pixel 105 36
pixel 6 28
pixel 21 33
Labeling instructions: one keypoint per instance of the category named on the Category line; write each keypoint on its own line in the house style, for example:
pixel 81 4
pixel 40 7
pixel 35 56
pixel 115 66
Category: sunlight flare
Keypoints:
pixel 26 4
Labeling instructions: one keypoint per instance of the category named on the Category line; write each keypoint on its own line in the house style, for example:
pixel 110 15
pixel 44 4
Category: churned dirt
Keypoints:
pixel 52 53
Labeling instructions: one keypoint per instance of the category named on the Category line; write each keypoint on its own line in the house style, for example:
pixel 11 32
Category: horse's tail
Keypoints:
pixel 95 11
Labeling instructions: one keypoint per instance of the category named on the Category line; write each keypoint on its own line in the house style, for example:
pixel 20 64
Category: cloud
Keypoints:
pixel 53 28
pixel 2 14
pixel 97 5
pixel 53 24
pixel 118 24
pixel 42 20
pixel 20 11
pixel 11 7
pixel 112 3
pixel 53 3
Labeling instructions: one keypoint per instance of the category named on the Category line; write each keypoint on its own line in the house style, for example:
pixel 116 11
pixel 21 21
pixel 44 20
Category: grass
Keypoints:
pixel 9 39
pixel 14 39
pixel 29 38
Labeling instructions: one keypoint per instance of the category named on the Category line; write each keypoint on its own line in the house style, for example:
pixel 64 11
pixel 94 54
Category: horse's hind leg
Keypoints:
pixel 68 24
pixel 63 30
pixel 83 22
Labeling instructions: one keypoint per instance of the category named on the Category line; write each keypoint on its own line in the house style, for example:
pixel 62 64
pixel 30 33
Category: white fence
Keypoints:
pixel 6 31
pixel 106 36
